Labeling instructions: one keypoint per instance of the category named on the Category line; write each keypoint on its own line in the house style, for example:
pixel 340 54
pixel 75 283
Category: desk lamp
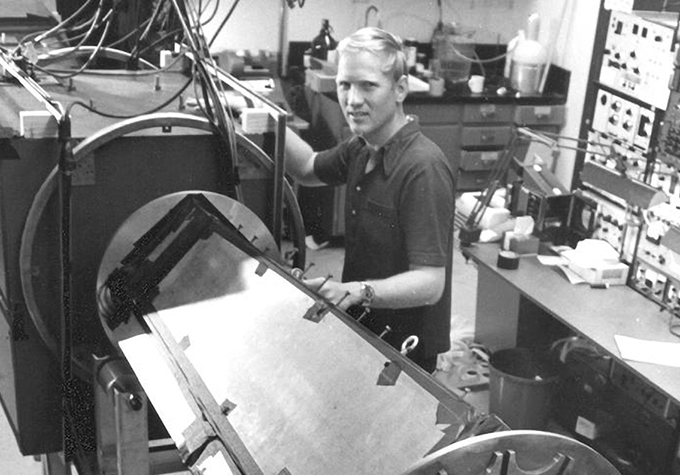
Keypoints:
pixel 636 196
pixel 470 231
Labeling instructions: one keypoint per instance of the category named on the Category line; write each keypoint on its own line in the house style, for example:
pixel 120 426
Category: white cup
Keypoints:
pixel 476 84
pixel 332 56
pixel 436 87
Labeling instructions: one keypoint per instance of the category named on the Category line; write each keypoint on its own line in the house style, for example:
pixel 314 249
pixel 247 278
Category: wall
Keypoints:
pixel 569 25
pixel 255 24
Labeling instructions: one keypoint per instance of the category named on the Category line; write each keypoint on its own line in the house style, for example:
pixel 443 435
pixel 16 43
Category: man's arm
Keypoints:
pixel 420 285
pixel 299 157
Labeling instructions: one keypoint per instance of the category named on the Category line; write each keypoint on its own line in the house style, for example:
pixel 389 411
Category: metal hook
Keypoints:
pixel 409 345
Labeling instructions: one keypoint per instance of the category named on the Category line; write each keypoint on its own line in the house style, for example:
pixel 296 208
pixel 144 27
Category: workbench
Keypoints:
pixel 618 406
pixel 596 314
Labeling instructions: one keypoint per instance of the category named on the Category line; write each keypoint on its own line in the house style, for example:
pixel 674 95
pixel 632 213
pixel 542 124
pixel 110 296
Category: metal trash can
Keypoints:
pixel 522 385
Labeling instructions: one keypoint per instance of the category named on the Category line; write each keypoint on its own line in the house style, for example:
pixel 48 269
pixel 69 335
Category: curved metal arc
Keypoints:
pixel 80 152
pixel 496 453
pixel 111 53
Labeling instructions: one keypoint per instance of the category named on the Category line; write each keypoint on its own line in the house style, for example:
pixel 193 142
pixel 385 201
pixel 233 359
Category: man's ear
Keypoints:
pixel 401 87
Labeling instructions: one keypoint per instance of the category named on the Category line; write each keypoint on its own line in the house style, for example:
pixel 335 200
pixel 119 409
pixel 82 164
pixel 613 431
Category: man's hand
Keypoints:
pixel 344 295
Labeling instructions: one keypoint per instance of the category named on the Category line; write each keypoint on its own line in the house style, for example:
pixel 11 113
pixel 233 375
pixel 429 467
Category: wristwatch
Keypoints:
pixel 367 294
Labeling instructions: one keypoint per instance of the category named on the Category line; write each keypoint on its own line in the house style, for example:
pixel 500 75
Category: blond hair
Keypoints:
pixel 378 42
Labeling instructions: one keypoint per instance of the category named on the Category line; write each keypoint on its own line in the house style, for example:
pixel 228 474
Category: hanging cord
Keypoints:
pixel 40 36
pixel 96 23
pixel 213 94
pixel 152 20
pixel 145 23
pixel 224 22
pixel 89 60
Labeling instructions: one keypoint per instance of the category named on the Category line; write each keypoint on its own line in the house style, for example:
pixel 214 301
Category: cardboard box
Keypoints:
pixel 520 243
pixel 319 81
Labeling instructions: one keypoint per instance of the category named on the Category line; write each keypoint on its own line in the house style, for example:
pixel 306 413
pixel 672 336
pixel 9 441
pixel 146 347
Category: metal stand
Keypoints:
pixel 122 424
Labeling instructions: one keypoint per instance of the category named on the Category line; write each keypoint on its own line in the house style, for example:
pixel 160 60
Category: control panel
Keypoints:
pixel 638 55
pixel 621 119
pixel 594 216
pixel 617 155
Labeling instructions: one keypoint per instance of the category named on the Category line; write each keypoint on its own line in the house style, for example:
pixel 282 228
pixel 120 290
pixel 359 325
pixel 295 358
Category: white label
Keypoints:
pixel 542 111
pixel 585 428
pixel 489 156
pixel 620 5
pixel 487 109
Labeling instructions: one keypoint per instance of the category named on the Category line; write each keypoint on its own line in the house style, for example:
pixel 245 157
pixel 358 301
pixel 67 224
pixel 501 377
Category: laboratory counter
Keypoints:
pixel 595 314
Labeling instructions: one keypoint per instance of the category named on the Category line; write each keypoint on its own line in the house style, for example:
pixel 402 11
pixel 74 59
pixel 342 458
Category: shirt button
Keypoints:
pixel 354 212
pixel 358 188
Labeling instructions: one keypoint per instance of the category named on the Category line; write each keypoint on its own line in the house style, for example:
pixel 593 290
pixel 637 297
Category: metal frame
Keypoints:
pixel 81 152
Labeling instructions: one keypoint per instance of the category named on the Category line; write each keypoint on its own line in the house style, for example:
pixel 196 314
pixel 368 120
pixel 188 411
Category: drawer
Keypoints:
pixel 488 112
pixel 472 180
pixel 496 136
pixel 540 115
pixel 447 137
pixel 434 113
pixel 479 160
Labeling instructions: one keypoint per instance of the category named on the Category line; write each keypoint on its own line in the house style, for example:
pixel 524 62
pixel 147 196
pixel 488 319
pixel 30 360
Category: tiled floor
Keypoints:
pixel 11 460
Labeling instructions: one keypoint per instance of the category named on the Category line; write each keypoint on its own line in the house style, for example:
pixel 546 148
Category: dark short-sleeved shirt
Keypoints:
pixel 400 213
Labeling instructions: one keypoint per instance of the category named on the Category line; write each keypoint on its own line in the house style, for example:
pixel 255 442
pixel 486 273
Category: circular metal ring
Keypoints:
pixel 409 345
pixel 163 120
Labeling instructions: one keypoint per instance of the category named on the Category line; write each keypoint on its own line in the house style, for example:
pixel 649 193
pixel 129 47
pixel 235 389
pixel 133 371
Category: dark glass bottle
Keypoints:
pixel 324 41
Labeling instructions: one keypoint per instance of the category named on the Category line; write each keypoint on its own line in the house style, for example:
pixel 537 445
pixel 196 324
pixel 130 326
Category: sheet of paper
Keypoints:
pixel 571 276
pixel 647 351
pixel 552 260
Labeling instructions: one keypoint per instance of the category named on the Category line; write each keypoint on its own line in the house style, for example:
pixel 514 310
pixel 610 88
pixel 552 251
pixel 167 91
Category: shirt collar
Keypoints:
pixel 389 153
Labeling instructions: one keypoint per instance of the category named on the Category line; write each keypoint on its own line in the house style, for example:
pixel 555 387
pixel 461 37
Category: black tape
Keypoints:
pixel 508 260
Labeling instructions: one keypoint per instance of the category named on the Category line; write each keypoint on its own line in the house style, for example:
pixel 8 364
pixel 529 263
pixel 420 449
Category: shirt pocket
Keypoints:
pixel 380 222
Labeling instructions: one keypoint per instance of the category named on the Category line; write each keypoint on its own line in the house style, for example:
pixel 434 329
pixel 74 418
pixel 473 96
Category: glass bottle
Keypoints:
pixel 324 41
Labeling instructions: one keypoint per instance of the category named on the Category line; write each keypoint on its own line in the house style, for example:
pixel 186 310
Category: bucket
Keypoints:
pixel 454 53
pixel 526 77
pixel 522 384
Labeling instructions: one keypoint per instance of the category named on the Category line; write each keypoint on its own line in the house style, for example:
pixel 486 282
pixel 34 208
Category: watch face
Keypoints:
pixel 367 292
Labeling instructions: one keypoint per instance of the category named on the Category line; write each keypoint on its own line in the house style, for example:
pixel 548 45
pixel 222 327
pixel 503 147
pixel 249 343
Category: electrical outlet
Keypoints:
pixel 640 391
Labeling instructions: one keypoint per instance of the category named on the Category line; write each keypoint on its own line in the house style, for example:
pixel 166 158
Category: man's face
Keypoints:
pixel 369 98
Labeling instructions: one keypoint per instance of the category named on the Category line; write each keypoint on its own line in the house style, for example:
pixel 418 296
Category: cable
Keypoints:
pixel 89 60
pixel 95 24
pixel 151 111
pixel 135 51
pixel 160 40
pixel 146 22
pixel 213 93
pixel 59 26
pixel 224 21
pixel 213 14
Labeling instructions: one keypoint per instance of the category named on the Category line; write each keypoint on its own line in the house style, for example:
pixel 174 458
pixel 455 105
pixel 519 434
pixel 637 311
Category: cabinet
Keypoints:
pixel 486 130
pixel 441 124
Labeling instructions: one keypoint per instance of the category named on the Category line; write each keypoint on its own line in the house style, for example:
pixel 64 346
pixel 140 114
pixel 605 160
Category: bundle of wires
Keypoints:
pixel 95 28
pixel 210 88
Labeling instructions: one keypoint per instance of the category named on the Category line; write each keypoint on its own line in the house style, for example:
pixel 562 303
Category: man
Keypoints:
pixel 399 205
